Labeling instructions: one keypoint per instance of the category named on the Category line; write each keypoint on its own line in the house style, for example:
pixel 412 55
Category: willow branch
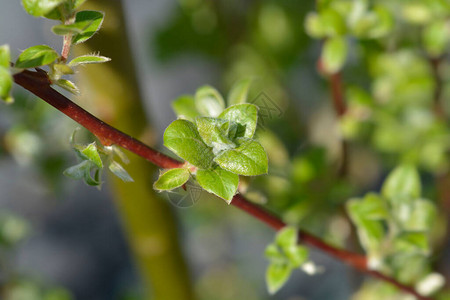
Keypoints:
pixel 435 64
pixel 39 84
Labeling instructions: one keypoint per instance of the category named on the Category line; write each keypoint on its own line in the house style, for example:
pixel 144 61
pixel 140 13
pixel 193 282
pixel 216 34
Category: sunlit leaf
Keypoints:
pixel 208 101
pixel 39 8
pixel 214 133
pixel 248 159
pixel 172 179
pixel 239 92
pixel 219 182
pixel 403 181
pixel 245 115
pixel 5 56
pixel 91 153
pixel 6 82
pixel 88 59
pixel 68 85
pixel 276 276
pixel 334 54
pixel 36 56
pixel 90 22
pixel 184 140
pixel 184 108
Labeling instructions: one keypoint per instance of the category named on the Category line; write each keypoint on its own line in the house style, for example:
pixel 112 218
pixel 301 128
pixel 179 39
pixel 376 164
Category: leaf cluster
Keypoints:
pixel 336 20
pixel 284 255
pixel 76 27
pixel 93 158
pixel 394 227
pixel 216 142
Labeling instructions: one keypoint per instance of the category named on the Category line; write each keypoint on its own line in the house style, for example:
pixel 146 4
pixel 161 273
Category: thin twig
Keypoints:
pixel 39 84
pixel 337 96
pixel 435 64
pixel 67 41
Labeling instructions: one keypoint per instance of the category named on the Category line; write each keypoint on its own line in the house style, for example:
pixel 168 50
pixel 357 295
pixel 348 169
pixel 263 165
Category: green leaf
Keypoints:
pixel 93 181
pixel 172 179
pixel 214 133
pixel 422 217
pixel 383 24
pixel 245 115
pixel 184 108
pixel 313 25
pixel 332 23
pixel 184 140
pixel 239 92
pixel 68 85
pixel 373 207
pixel 5 56
pixel 412 242
pixel 36 56
pixel 286 237
pixel 88 59
pixel 297 255
pixel 403 181
pixel 334 54
pixel 371 232
pixel 219 182
pixel 62 69
pixel 91 154
pixel 78 3
pixel 274 255
pixel 66 29
pixel 39 8
pixel 248 159
pixel 6 82
pixel 276 276
pixel 120 172
pixel 90 21
pixel 208 101
pixel 436 37
pixel 78 171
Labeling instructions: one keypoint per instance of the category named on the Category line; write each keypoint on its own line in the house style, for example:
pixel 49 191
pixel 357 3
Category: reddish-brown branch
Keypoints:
pixel 337 94
pixel 39 84
pixel 438 88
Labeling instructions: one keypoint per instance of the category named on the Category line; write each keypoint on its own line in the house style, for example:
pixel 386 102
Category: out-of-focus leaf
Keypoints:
pixel 403 181
pixel 209 102
pixel 120 172
pixel 411 242
pixel 334 54
pixel 39 8
pixel 239 92
pixel 276 276
pixel 436 37
pixel 184 108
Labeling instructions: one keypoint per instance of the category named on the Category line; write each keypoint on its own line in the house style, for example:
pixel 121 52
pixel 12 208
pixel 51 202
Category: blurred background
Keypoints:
pixel 60 239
